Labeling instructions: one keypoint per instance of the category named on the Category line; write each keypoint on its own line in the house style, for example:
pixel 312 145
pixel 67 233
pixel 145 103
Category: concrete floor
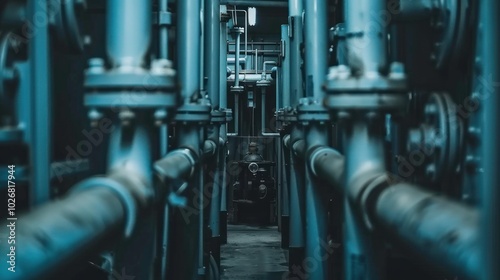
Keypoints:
pixel 253 253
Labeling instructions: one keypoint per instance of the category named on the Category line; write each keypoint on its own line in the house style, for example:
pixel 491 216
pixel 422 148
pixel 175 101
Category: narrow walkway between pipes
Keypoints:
pixel 253 253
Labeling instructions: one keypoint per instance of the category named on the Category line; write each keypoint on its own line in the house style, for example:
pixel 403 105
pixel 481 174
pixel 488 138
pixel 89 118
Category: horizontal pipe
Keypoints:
pixel 178 164
pixel 299 148
pixel 64 232
pixel 249 77
pixel 251 3
pixel 439 230
pixel 328 164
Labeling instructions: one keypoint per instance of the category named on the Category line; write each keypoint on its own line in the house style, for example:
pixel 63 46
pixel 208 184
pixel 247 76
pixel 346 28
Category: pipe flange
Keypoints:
pixel 311 110
pixel 217 117
pixel 341 80
pixel 450 21
pixel 193 113
pixel 124 194
pixel 143 89
pixel 237 30
pixel 229 114
pixel 263 83
pixel 364 191
pixel 152 81
pixel 237 89
pixel 367 102
pixel 163 18
pixel 437 142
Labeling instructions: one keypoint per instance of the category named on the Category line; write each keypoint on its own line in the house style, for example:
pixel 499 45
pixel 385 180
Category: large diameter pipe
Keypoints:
pixel 297 211
pixel 316 46
pixel 316 202
pixel 364 155
pixel 490 192
pixel 440 231
pixel 128 40
pixel 62 233
pixel 366 36
pixel 188 46
pixel 212 49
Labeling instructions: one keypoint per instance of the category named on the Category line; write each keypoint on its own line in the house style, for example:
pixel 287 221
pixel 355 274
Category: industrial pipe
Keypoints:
pixel 366 37
pixel 128 40
pixel 188 46
pixel 237 58
pixel 488 45
pixel 285 67
pixel 297 212
pixel 316 46
pixel 328 164
pixel 61 233
pixel 296 75
pixel 365 154
pixel 212 49
pixel 438 230
pixel 163 31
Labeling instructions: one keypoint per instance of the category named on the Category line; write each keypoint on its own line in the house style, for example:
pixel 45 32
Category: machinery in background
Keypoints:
pixel 254 192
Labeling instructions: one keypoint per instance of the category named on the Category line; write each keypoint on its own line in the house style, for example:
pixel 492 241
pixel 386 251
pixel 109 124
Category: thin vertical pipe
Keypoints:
pixel 163 36
pixel 212 49
pixel 237 61
pixel 285 98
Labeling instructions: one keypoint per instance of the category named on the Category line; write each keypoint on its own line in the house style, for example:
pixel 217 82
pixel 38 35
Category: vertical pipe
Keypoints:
pixel 163 36
pixel 316 195
pixel 364 154
pixel 39 97
pixel 212 49
pixel 295 8
pixel 223 62
pixel 490 200
pixel 188 46
pixel 164 214
pixel 366 36
pixel 297 206
pixel 316 210
pixel 128 40
pixel 237 61
pixel 316 46
pixel 285 98
pixel 296 77
pixel 186 221
pixel 223 130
